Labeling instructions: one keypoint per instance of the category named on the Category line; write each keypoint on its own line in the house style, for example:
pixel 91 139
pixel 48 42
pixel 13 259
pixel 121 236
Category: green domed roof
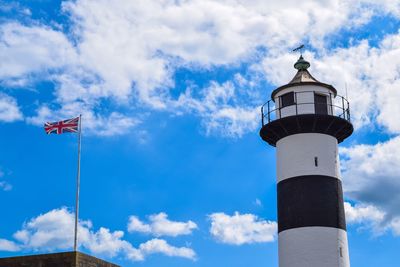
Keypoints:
pixel 301 64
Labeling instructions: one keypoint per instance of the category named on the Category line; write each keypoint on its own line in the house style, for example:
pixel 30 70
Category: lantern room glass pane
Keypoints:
pixel 287 99
pixel 321 104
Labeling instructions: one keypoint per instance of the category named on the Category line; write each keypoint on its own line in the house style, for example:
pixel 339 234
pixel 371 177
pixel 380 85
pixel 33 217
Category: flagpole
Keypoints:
pixel 78 181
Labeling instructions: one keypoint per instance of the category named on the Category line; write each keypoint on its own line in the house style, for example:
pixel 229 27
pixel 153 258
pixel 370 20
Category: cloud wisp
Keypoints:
pixel 4 185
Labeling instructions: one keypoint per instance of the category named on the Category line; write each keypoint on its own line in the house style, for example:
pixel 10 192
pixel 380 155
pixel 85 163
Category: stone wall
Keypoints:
pixel 66 259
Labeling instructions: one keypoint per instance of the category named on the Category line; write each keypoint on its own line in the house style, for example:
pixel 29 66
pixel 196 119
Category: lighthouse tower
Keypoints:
pixel 305 120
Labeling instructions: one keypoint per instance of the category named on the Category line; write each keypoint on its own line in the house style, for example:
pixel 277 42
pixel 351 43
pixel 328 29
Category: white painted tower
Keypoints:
pixel 306 119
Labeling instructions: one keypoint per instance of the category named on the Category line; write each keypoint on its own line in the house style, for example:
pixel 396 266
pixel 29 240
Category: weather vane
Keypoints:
pixel 300 48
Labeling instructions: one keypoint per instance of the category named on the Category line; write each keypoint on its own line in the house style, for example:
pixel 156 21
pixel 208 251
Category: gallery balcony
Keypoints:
pixel 305 112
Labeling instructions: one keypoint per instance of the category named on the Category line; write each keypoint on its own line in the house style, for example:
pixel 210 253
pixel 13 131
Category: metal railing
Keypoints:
pixel 339 108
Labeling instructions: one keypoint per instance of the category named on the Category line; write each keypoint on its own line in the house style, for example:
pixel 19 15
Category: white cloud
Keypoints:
pixel 395 226
pixel 6 245
pixel 371 176
pixel 53 231
pixel 204 31
pixel 160 225
pixel 9 109
pixel 241 229
pixel 142 43
pixel 372 218
pixel 105 242
pixel 258 203
pixel 362 213
pixel 233 122
pixel 136 225
pixel 387 6
pixel 366 168
pixel 161 246
pixel 31 49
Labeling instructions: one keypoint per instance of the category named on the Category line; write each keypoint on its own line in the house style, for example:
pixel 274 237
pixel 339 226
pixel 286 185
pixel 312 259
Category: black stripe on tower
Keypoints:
pixel 310 200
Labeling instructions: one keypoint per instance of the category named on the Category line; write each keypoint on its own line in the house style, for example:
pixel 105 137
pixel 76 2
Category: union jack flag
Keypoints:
pixel 59 127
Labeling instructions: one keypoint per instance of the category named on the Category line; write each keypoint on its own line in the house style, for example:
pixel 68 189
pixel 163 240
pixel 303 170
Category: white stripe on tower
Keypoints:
pixel 313 246
pixel 312 230
pixel 298 154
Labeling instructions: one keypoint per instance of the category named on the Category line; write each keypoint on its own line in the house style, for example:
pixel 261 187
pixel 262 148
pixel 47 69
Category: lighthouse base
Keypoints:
pixel 313 247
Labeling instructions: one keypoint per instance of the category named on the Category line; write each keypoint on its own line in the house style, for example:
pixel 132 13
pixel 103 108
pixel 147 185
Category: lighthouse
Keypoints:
pixel 305 120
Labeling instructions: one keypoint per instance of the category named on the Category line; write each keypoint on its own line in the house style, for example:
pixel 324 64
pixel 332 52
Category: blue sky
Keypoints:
pixel 170 93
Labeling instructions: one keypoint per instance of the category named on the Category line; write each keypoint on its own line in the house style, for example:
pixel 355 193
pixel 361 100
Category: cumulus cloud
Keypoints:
pixel 160 225
pixel 7 245
pixel 32 49
pixel 161 246
pixel 54 231
pixel 366 168
pixel 370 217
pixel 9 109
pixel 205 31
pixel 371 176
pixel 51 231
pixel 362 213
pixel 366 216
pixel 241 229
